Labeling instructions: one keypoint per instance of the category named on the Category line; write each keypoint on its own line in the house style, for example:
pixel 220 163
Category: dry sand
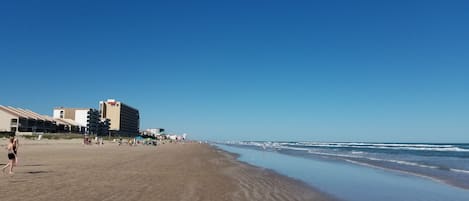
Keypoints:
pixel 67 170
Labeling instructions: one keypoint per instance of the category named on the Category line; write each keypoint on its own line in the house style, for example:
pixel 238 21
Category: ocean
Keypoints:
pixel 367 171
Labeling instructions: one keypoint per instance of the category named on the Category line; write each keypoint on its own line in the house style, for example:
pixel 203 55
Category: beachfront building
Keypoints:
pixel 24 122
pixel 88 119
pixel 103 127
pixel 153 131
pixel 67 126
pixel 124 120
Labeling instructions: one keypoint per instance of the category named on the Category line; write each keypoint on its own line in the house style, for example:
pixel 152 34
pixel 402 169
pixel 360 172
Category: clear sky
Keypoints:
pixel 393 71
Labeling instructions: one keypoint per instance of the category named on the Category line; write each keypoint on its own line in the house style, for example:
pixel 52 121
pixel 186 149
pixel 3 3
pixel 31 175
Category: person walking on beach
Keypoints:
pixel 11 157
pixel 16 144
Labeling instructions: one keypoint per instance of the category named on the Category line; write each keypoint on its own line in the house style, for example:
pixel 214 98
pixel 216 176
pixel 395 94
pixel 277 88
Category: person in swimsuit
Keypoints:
pixel 16 144
pixel 11 157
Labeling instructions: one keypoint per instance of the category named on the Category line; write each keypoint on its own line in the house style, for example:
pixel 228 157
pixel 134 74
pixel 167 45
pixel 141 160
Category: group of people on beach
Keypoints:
pixel 12 150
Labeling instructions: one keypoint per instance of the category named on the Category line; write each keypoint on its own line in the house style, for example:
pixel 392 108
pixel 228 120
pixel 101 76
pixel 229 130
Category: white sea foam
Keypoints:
pixel 459 170
pixel 356 145
pixel 349 158
pixel 395 146
pixel 316 148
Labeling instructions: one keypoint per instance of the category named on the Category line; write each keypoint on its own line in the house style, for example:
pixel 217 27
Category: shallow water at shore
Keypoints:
pixel 351 182
pixel 448 162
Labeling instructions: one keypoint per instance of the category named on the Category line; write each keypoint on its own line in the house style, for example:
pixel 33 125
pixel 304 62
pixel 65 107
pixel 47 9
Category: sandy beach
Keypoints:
pixel 68 170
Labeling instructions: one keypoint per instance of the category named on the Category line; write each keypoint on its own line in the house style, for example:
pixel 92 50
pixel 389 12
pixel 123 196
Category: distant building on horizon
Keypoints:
pixel 153 131
pixel 124 120
pixel 87 118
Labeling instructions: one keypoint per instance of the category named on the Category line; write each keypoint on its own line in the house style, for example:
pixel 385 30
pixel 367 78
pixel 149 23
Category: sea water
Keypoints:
pixel 366 171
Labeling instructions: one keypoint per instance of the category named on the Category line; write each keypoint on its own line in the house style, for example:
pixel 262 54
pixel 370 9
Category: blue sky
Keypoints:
pixel 248 70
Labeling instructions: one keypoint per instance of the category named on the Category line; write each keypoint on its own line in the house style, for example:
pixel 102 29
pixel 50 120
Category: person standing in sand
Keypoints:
pixel 11 157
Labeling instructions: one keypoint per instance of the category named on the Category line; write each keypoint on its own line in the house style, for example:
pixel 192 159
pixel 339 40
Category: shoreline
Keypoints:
pixel 66 169
pixel 410 173
pixel 348 181
pixel 403 172
pixel 268 171
pixel 432 177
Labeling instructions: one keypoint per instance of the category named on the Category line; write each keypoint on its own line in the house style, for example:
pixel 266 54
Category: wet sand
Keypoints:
pixel 68 170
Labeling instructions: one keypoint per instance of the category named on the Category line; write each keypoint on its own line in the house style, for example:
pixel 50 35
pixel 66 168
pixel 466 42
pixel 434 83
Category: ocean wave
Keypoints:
pixel 410 147
pixel 356 145
pixel 459 170
pixel 350 158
